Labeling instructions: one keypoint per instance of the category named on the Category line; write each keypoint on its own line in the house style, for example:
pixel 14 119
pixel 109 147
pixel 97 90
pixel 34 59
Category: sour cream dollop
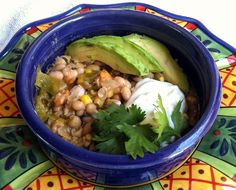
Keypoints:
pixel 145 95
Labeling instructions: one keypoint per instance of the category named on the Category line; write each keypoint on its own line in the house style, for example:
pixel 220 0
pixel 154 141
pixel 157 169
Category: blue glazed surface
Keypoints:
pixel 120 170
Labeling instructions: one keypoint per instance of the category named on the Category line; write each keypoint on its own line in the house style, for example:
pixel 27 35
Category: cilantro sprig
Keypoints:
pixel 159 120
pixel 138 143
pixel 117 129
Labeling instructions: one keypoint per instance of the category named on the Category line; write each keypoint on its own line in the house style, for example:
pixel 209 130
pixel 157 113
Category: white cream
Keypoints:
pixel 145 95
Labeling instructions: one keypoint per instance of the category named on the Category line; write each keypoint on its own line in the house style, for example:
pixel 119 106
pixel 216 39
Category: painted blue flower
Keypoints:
pixel 225 133
pixel 16 147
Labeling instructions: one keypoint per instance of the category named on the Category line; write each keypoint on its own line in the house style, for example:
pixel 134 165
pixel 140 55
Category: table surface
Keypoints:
pixel 218 16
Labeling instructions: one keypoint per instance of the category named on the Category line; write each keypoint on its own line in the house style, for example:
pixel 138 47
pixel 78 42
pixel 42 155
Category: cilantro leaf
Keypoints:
pixel 104 125
pixel 137 144
pixel 136 115
pixel 166 135
pixel 114 145
pixel 100 115
pixel 107 119
pixel 179 119
pixel 118 131
pixel 131 115
pixel 160 123
pixel 159 118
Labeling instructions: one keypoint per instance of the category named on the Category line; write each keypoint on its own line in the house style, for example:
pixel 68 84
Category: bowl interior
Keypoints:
pixel 192 56
pixel 181 46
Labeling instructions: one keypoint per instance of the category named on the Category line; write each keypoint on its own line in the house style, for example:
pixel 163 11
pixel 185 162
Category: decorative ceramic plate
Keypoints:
pixel 24 166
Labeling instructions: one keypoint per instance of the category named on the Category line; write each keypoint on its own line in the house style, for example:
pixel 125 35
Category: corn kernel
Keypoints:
pixel 99 102
pixel 162 79
pixel 159 76
pixel 110 93
pixel 88 71
pixel 86 99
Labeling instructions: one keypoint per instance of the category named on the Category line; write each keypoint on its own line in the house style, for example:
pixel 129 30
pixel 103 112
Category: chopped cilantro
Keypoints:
pixel 118 129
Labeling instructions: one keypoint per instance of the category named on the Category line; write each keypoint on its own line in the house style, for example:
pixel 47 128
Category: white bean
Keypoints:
pixel 77 132
pixel 117 90
pixel 59 61
pixel 67 58
pixel 80 112
pixel 78 105
pixel 88 137
pixel 64 132
pixel 80 65
pixel 60 98
pixel 102 93
pixel 91 108
pixel 116 97
pixel 80 70
pixel 57 124
pixel 116 102
pixel 67 111
pixel 56 74
pixel 69 75
pixel 120 80
pixel 76 92
pixel 127 84
pixel 125 93
pixel 74 122
pixel 94 67
pixel 87 85
pixel 59 67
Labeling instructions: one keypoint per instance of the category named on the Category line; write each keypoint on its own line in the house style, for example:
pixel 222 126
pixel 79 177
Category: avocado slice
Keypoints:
pixel 172 71
pixel 125 46
pixel 117 52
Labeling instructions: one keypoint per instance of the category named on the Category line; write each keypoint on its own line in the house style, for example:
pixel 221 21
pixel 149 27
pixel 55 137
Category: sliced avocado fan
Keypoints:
pixel 173 73
pixel 117 52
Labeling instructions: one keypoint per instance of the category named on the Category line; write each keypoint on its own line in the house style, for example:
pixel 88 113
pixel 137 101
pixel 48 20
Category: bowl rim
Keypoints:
pixel 105 160
pixel 79 7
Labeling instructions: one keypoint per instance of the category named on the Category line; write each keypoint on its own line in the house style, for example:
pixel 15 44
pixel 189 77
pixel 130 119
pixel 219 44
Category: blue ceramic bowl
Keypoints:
pixel 119 170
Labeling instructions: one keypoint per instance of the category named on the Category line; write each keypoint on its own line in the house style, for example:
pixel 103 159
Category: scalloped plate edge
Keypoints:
pixel 200 25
